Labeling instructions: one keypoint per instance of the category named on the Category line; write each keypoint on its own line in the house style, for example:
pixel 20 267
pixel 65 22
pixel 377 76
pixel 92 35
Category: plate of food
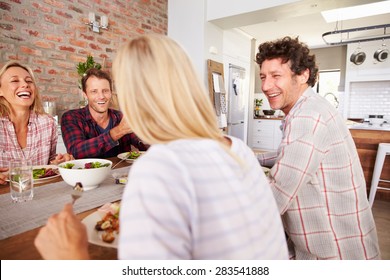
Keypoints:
pixel 103 226
pixel 130 156
pixel 43 173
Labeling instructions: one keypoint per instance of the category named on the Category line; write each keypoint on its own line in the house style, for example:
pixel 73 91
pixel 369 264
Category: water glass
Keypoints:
pixel 21 180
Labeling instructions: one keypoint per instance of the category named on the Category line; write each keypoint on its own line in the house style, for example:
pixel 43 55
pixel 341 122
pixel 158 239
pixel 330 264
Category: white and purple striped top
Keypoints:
pixel 191 199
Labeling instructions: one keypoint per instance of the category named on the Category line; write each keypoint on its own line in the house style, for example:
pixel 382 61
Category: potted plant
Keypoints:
pixel 258 104
pixel 82 67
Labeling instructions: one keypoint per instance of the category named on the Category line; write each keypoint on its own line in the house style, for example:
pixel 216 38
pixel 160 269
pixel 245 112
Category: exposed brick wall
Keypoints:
pixel 51 37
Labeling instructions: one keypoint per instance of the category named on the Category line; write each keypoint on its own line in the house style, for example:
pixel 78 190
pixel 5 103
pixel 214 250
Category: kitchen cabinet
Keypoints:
pixel 266 134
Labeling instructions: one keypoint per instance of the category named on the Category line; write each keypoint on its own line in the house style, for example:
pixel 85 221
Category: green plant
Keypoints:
pixel 258 102
pixel 82 67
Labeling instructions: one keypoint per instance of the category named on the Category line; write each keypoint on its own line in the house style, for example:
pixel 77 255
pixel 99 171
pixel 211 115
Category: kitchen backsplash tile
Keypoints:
pixel 368 98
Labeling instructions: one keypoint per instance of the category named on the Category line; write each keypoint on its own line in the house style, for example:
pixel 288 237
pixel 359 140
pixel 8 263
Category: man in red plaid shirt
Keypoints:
pixel 96 130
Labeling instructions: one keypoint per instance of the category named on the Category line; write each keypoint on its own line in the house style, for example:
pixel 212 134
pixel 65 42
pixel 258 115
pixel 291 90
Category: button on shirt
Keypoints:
pixel 83 139
pixel 319 185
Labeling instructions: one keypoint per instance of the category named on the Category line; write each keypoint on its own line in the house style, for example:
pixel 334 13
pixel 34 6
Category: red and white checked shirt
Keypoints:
pixel 319 185
pixel 41 145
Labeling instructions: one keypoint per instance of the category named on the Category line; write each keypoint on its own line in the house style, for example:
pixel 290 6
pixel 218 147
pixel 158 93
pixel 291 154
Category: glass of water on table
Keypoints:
pixel 21 180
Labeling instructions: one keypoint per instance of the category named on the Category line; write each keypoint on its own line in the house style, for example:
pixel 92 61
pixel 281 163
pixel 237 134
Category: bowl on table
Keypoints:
pixel 81 170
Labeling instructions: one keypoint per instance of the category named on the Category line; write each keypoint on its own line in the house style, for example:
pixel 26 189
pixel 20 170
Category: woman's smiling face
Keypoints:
pixel 17 87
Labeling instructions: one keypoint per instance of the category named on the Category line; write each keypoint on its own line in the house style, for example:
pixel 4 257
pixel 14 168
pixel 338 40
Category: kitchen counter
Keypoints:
pixel 267 118
pixel 366 140
pixel 367 126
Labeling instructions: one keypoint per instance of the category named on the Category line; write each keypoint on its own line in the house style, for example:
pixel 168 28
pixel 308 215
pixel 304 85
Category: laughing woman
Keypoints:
pixel 26 131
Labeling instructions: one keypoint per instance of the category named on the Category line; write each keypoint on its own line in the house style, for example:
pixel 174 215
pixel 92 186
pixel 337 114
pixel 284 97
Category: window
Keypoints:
pixel 327 86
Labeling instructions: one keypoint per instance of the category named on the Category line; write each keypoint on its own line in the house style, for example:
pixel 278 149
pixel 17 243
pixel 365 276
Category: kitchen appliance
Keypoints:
pixel 382 53
pixel 358 57
pixel 236 102
pixel 376 119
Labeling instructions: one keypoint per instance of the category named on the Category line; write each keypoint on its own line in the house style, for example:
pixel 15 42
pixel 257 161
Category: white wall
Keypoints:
pixel 186 25
pixel 367 86
pixel 224 8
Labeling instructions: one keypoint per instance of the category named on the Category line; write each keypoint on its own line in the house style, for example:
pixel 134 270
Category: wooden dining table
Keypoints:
pixel 21 246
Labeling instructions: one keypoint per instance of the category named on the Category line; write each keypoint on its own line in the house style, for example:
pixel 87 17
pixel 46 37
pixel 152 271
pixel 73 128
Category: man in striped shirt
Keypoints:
pixel 316 176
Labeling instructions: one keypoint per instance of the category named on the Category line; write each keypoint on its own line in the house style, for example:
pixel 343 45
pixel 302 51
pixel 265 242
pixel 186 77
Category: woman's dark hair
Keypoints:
pixel 94 72
pixel 290 49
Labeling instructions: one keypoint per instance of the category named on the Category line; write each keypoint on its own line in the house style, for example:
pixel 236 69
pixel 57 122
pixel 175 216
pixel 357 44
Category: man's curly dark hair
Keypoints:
pixel 290 49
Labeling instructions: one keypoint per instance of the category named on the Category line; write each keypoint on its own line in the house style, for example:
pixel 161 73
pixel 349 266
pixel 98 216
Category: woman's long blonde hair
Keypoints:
pixel 159 92
pixel 4 104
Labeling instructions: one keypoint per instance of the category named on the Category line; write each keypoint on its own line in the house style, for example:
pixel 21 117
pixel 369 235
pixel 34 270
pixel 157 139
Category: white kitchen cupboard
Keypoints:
pixel 267 134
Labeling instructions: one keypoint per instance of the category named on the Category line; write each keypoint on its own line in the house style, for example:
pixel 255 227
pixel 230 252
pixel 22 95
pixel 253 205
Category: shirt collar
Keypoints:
pixel 88 115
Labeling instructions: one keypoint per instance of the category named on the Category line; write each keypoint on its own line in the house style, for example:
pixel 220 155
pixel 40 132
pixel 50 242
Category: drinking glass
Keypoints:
pixel 21 180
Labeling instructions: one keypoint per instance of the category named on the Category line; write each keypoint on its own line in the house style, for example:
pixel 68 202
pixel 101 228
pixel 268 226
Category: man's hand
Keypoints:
pixel 120 130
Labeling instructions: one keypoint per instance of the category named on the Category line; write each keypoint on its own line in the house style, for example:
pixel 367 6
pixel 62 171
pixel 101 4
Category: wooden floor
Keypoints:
pixel 381 212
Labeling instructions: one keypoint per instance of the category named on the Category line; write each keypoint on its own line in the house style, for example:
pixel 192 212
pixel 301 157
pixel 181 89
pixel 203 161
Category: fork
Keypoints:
pixel 116 164
pixel 77 192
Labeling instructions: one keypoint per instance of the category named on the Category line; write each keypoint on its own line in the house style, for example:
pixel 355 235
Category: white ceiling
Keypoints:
pixel 310 28
pixel 303 19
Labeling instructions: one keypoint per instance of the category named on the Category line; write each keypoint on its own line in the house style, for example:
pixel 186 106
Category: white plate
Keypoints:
pixel 124 156
pixel 94 235
pixel 41 180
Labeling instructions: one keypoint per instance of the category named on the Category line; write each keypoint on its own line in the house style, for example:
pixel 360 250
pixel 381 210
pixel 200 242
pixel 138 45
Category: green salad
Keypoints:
pixel 39 173
pixel 68 165
pixel 88 165
pixel 133 155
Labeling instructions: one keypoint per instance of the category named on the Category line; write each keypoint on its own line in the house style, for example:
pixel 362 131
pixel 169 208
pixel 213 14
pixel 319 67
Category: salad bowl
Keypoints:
pixel 90 172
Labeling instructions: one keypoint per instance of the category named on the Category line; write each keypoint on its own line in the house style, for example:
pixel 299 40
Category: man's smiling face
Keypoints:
pixel 281 86
pixel 98 94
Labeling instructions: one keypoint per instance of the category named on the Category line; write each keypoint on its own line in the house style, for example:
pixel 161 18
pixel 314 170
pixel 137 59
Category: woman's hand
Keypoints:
pixel 62 158
pixel 3 176
pixel 63 238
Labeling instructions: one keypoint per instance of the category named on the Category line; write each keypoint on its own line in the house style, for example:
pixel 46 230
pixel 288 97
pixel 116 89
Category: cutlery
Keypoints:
pixel 116 164
pixel 77 192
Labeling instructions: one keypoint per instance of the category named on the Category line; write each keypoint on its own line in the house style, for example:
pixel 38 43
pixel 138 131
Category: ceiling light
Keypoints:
pixel 360 11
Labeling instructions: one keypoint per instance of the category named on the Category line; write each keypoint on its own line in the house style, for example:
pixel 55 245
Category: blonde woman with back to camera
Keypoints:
pixel 196 193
